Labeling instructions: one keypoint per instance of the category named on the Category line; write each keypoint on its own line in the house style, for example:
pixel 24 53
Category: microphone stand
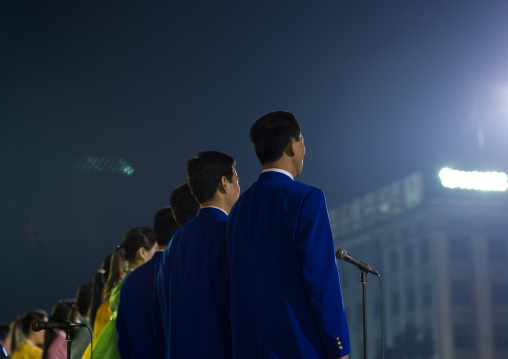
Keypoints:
pixel 363 277
pixel 364 269
pixel 69 333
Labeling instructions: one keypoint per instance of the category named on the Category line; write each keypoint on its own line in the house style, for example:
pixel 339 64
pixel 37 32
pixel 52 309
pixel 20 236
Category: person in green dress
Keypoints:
pixel 137 248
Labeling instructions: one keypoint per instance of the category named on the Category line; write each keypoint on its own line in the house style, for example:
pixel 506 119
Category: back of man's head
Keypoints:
pixel 271 133
pixel 164 226
pixel 183 204
pixel 204 173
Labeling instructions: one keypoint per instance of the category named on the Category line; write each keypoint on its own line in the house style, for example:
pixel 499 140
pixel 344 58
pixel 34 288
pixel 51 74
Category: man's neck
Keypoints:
pixel 216 203
pixel 281 164
pixel 279 171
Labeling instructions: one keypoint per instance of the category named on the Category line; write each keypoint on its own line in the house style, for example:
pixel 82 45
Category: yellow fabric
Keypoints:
pixel 27 351
pixel 102 317
pixel 105 346
pixel 88 350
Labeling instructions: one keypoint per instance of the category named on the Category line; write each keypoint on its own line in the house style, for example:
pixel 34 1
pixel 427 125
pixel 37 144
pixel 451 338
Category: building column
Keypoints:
pixel 443 297
pixel 482 282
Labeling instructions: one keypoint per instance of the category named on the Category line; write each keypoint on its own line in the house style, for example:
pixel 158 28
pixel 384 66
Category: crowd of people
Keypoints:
pixel 219 275
pixel 22 339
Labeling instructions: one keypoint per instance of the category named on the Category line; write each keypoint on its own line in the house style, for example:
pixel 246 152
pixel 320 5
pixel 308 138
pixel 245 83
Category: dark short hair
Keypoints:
pixel 136 238
pixel 84 298
pixel 4 331
pixel 164 226
pixel 204 173
pixel 29 317
pixel 133 240
pixel 99 281
pixel 60 313
pixel 183 204
pixel 271 133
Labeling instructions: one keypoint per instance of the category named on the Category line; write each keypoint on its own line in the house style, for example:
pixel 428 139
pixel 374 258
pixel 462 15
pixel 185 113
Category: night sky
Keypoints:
pixel 380 88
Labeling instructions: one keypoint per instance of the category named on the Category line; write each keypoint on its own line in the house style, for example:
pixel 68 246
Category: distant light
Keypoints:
pixel 479 181
pixel 96 164
pixel 128 170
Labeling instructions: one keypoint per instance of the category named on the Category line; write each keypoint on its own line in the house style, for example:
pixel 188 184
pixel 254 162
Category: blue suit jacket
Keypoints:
pixel 286 300
pixel 140 333
pixel 193 286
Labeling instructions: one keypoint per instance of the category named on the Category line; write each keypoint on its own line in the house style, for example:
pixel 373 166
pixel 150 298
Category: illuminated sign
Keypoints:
pixel 478 181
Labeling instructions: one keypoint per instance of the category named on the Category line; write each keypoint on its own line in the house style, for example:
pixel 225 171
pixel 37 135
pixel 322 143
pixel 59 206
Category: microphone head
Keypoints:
pixel 36 325
pixel 341 253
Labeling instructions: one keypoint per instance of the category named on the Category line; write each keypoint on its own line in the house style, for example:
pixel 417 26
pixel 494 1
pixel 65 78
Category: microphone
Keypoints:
pixel 38 325
pixel 342 254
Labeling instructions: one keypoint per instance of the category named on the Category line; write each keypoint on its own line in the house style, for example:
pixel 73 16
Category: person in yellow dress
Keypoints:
pixel 99 310
pixel 30 347
pixel 137 248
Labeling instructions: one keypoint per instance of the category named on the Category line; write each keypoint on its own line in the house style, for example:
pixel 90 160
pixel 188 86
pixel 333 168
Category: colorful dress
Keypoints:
pixel 102 317
pixel 58 348
pixel 106 345
pixel 27 350
pixel 81 339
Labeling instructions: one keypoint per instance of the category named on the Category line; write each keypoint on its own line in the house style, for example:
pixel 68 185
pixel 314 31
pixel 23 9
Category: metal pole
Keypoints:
pixel 364 292
pixel 68 333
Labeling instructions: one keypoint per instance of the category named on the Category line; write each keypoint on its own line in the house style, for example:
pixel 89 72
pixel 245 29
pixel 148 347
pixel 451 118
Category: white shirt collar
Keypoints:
pixel 226 213
pixel 278 170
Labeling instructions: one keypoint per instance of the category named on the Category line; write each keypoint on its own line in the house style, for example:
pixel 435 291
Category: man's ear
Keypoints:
pixel 142 252
pixel 223 184
pixel 290 148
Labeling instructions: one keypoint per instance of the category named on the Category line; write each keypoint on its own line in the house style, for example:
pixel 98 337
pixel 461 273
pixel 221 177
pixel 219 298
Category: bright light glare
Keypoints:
pixel 479 181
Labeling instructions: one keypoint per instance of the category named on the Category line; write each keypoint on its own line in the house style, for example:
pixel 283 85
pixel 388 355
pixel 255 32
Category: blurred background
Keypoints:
pixel 103 103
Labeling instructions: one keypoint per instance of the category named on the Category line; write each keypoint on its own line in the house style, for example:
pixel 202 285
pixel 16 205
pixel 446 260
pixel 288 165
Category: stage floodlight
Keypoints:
pixel 478 181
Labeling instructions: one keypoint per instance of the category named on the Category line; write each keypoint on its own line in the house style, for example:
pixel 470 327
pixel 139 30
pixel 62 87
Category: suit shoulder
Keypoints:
pixel 305 191
pixel 306 187
pixel 292 188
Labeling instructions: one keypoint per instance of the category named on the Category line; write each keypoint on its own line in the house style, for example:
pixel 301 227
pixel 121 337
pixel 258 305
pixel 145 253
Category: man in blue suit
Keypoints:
pixel 286 300
pixel 139 333
pixel 139 324
pixel 193 282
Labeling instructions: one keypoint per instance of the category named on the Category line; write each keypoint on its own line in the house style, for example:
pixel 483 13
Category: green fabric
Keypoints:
pixel 106 346
pixel 81 339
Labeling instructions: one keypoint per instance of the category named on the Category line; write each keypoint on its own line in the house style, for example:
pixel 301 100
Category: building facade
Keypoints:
pixel 443 259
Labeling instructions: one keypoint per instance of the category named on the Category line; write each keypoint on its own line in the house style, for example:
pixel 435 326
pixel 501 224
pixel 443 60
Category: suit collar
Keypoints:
pixel 280 171
pixel 209 211
pixel 274 175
